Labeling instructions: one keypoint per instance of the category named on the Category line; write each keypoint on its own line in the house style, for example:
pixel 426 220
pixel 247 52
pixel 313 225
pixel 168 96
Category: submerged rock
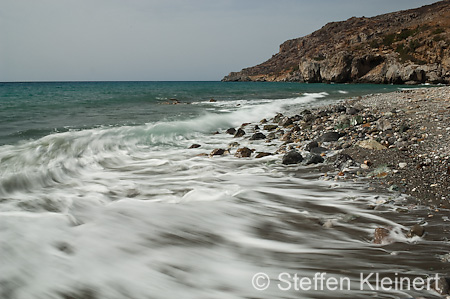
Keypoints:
pixel 243 152
pixel 195 145
pixel 292 157
pixel 262 155
pixel 381 235
pixel 416 230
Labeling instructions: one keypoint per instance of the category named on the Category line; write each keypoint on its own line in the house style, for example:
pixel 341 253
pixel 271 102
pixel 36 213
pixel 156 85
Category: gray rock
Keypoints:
pixel 416 230
pixel 313 159
pixel 329 136
pixel 285 122
pixel 239 133
pixel 231 131
pixel 384 124
pixel 318 150
pixel 270 127
pixel 258 136
pixel 352 111
pixel 217 152
pixel 311 145
pixel 292 157
pixel 277 117
pixel 271 136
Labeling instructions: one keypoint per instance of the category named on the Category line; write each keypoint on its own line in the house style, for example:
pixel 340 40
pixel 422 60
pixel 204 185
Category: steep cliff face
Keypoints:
pixel 411 46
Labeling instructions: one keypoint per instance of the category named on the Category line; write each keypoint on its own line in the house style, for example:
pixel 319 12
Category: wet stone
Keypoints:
pixel 243 152
pixel 231 131
pixel 258 136
pixel 292 157
pixel 239 133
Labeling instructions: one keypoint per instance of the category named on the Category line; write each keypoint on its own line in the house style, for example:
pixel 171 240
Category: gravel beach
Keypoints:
pixel 399 141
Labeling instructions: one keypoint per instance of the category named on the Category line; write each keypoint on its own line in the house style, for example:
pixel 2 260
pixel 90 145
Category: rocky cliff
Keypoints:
pixel 411 47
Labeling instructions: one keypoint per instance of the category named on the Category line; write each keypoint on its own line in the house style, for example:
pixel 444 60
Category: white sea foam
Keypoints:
pixel 130 212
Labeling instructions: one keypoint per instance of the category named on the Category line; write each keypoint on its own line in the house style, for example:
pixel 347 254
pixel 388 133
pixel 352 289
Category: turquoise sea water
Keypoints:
pixel 33 110
pixel 101 198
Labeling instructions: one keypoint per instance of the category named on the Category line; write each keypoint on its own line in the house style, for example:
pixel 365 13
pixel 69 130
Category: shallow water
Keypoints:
pixel 130 212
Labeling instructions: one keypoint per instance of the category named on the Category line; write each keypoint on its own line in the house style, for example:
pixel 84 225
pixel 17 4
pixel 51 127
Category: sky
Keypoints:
pixel 158 40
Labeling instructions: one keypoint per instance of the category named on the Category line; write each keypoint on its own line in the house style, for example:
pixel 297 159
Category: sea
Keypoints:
pixel 101 196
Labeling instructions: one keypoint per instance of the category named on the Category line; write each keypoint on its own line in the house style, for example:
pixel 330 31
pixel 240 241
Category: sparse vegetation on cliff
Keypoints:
pixel 409 46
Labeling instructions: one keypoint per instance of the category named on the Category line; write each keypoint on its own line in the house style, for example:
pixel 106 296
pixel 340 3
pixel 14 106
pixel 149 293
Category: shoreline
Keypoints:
pixel 399 141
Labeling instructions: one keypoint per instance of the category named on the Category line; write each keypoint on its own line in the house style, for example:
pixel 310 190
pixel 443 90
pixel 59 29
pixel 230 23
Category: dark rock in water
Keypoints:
pixel 270 127
pixel 217 152
pixel 263 121
pixel 258 136
pixel 416 230
pixel 244 125
pixel 243 152
pixel 262 155
pixel 311 145
pixel 256 127
pixel 381 235
pixel 231 131
pixel 212 101
pixel 195 146
pixel 343 161
pixel 271 136
pixel 318 150
pixel 313 159
pixel 351 111
pixel 441 286
pixel 233 144
pixel 329 136
pixel 277 117
pixel 285 122
pixel 292 157
pixel 239 133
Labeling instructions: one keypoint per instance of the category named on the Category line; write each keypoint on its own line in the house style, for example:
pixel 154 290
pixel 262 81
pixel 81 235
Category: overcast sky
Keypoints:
pixel 60 40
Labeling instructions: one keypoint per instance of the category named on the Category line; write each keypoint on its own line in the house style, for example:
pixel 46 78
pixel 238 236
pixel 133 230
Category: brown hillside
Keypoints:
pixel 409 46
